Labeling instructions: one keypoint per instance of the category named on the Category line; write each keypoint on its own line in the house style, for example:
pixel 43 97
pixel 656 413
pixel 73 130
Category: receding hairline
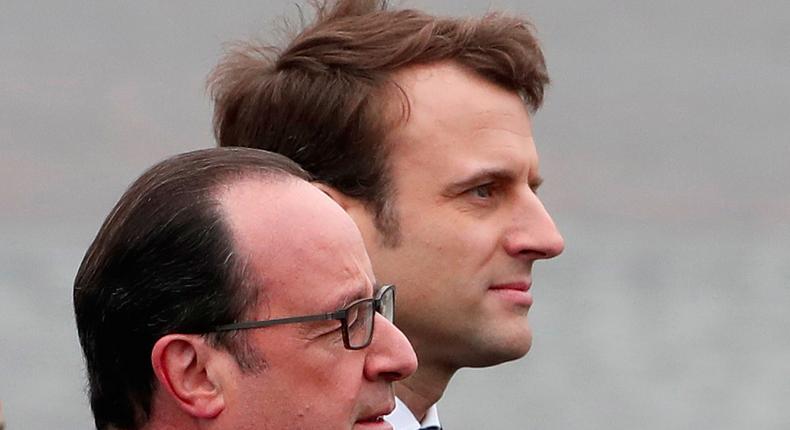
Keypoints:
pixel 225 194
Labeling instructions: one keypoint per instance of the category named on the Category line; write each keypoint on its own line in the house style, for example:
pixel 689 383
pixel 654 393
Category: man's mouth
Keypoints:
pixel 515 292
pixel 376 418
pixel 373 422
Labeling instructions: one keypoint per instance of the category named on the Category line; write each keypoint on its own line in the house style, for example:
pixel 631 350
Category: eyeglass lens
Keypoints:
pixel 360 316
pixel 387 307
pixel 360 323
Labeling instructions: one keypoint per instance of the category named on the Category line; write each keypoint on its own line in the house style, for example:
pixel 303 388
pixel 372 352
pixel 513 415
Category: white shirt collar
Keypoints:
pixel 403 419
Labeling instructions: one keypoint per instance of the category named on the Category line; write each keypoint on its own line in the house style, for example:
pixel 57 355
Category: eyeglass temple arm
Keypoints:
pixel 268 323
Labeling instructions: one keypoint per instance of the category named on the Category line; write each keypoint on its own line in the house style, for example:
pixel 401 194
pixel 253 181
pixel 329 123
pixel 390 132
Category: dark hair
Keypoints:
pixel 163 262
pixel 325 99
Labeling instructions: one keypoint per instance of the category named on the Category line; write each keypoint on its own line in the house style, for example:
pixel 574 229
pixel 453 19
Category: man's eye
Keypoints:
pixel 352 317
pixel 483 191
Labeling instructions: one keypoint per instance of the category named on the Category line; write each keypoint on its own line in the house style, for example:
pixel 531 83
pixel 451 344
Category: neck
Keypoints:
pixel 424 388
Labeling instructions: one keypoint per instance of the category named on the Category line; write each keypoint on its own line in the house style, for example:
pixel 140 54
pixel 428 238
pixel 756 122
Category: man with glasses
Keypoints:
pixel 421 128
pixel 224 291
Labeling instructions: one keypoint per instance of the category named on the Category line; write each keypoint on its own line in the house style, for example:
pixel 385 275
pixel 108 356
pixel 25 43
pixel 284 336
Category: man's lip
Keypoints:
pixel 381 413
pixel 371 419
pixel 373 425
pixel 516 293
pixel 518 286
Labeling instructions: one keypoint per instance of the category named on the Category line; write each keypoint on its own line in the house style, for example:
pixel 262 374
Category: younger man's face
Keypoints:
pixel 464 170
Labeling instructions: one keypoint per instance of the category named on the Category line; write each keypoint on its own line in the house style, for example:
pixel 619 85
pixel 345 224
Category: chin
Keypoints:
pixel 502 351
pixel 515 344
pixel 515 351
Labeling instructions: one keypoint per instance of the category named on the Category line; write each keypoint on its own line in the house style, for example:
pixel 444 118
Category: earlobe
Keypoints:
pixel 181 364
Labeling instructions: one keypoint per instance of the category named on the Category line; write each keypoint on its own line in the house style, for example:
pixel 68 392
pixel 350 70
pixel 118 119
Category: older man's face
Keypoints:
pixel 309 258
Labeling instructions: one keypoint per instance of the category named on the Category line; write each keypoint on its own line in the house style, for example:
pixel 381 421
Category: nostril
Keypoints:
pixel 392 376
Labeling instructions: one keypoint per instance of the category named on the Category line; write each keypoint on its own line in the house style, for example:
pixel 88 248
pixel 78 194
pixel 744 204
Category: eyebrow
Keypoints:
pixel 495 175
pixel 347 299
pixel 358 294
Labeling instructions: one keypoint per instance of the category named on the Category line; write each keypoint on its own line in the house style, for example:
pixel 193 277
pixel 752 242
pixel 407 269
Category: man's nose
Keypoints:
pixel 390 356
pixel 532 234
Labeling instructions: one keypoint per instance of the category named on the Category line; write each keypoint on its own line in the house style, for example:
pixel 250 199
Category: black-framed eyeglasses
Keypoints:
pixel 356 320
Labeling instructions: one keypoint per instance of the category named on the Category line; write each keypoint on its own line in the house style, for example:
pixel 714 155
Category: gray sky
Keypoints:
pixel 664 142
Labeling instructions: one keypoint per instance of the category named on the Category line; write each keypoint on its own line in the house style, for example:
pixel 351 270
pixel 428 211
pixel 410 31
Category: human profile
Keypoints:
pixel 421 128
pixel 225 291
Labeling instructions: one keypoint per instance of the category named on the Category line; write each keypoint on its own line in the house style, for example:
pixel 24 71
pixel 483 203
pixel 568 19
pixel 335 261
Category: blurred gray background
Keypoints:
pixel 664 142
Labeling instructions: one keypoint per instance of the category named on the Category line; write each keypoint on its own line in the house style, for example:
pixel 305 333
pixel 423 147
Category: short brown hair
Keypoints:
pixel 323 100
pixel 164 262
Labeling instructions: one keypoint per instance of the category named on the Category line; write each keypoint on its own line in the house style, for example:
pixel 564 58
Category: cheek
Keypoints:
pixel 303 386
pixel 457 244
pixel 339 393
pixel 335 370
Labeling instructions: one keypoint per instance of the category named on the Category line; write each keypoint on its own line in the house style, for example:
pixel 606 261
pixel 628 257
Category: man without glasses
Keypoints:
pixel 420 127
pixel 226 292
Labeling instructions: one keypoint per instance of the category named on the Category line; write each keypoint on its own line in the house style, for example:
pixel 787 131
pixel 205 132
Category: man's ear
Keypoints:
pixel 184 366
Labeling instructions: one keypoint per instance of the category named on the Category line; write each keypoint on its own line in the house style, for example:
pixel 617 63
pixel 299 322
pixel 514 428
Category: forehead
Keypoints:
pixel 298 243
pixel 460 118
